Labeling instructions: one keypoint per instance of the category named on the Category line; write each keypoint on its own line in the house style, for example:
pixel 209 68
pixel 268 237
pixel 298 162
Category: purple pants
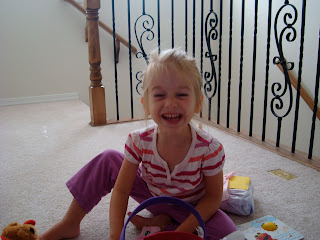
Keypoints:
pixel 97 178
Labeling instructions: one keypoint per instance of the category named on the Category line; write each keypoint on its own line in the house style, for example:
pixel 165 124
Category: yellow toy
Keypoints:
pixel 16 231
pixel 269 226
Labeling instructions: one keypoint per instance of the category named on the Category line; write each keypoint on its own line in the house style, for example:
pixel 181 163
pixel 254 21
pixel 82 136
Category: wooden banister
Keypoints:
pixel 103 26
pixel 303 93
pixel 96 89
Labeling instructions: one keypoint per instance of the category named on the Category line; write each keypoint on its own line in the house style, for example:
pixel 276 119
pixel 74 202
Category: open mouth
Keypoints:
pixel 172 117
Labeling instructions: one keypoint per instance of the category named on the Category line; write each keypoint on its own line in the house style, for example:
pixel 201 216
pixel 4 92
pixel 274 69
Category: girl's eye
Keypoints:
pixel 182 94
pixel 158 95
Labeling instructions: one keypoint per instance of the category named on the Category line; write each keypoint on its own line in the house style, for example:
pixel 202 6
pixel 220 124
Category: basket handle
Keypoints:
pixel 168 200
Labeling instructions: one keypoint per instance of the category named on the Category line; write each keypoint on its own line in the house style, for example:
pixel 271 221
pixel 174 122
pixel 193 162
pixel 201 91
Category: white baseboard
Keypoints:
pixel 38 99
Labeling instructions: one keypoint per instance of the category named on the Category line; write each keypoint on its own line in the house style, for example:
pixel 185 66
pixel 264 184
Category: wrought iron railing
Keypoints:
pixel 263 103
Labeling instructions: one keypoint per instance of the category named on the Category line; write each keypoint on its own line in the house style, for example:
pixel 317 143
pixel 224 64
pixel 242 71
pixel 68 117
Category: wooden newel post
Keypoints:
pixel 96 89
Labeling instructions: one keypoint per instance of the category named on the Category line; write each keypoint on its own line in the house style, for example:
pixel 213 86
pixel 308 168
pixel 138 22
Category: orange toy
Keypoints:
pixel 16 231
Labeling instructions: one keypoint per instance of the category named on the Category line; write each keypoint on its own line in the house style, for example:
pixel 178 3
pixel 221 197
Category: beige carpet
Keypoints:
pixel 42 145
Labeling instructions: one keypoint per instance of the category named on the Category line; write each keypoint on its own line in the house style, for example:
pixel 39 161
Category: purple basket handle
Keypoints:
pixel 161 200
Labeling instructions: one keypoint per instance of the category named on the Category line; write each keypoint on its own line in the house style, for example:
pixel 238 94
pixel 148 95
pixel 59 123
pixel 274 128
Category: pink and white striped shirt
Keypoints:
pixel 204 158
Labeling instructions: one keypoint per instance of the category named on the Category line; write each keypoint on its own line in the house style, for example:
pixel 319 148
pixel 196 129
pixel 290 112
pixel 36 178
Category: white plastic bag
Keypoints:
pixel 237 201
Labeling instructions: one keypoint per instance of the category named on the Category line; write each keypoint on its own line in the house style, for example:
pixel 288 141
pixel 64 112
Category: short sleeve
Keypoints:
pixel 132 150
pixel 213 161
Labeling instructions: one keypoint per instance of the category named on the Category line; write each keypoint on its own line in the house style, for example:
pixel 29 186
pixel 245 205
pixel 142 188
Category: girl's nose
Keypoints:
pixel 171 102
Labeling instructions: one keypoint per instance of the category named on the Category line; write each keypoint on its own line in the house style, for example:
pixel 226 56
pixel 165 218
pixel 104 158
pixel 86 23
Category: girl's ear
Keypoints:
pixel 146 109
pixel 198 105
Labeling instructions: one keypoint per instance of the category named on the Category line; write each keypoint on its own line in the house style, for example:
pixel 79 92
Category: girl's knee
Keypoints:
pixel 219 226
pixel 109 157
pixel 111 153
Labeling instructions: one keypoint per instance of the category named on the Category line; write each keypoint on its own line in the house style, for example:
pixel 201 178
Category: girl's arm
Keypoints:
pixel 208 204
pixel 119 198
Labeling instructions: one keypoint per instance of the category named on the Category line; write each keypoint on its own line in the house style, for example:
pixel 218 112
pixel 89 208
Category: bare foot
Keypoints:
pixel 62 230
pixel 161 220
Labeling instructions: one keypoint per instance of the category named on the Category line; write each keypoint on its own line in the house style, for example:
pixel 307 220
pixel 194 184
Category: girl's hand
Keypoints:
pixel 112 238
pixel 208 204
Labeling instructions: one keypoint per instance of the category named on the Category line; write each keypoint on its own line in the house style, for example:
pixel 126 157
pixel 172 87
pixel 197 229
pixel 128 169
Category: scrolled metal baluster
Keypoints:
pixel 277 89
pixel 211 34
pixel 139 84
pixel 147 23
pixel 289 32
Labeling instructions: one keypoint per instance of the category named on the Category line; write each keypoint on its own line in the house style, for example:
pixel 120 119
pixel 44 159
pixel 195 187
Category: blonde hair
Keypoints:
pixel 178 61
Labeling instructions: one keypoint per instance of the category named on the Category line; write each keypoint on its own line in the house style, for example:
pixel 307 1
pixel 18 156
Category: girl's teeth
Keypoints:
pixel 171 117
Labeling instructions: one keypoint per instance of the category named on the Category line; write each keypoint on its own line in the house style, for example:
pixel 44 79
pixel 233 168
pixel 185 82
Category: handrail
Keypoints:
pixel 103 26
pixel 303 93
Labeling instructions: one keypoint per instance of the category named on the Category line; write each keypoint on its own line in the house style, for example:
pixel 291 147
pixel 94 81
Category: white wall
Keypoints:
pixel 291 53
pixel 43 52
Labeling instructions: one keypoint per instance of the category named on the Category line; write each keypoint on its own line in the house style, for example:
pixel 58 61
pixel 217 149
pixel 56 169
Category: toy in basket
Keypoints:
pixel 168 234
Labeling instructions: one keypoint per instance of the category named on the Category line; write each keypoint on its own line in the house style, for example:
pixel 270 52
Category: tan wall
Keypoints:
pixel 43 51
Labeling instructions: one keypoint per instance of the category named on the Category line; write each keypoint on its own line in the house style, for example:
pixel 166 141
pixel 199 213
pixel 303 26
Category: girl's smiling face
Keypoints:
pixel 171 101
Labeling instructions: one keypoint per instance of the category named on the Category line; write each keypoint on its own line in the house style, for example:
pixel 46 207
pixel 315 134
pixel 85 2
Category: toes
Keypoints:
pixel 139 221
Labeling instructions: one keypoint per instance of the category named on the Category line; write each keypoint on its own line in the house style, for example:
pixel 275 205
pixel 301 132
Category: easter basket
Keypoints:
pixel 167 235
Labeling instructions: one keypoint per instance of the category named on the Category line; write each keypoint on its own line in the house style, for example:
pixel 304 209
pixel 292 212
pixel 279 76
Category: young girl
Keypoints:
pixel 170 158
